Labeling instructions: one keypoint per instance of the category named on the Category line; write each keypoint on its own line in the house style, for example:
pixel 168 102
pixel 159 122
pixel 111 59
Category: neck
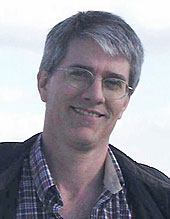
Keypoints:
pixel 74 170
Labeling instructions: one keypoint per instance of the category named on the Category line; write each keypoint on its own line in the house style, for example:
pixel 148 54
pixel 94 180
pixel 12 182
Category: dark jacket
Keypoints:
pixel 148 190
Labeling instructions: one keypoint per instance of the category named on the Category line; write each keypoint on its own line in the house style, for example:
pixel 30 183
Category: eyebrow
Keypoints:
pixel 91 69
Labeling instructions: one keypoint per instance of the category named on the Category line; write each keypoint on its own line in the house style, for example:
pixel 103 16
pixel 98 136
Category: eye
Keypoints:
pixel 114 84
pixel 78 74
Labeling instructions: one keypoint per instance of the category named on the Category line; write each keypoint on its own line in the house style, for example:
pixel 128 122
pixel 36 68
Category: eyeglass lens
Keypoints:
pixel 83 79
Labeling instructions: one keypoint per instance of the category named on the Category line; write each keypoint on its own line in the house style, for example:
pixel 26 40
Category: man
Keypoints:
pixel 90 68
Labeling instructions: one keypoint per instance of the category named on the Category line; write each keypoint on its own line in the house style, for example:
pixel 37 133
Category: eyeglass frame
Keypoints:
pixel 129 90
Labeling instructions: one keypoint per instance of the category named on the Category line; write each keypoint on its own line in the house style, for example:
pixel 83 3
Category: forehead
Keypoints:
pixel 88 53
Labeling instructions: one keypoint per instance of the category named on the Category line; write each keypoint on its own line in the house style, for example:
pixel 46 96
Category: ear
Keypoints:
pixel 42 78
pixel 124 106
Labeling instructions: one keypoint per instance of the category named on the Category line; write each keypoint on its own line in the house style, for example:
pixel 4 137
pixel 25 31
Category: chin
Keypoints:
pixel 85 140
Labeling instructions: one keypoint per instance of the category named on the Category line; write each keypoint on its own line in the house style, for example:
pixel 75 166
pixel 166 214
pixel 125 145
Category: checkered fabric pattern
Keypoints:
pixel 39 198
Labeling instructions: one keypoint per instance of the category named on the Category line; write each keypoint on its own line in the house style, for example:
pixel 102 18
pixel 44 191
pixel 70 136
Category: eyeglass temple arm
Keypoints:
pixel 131 90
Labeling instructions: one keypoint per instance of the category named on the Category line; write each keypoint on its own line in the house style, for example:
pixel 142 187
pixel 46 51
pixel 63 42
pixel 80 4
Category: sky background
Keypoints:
pixel 143 133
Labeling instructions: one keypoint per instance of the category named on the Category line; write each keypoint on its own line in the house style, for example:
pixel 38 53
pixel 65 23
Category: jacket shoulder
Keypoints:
pixel 155 172
pixel 140 171
pixel 11 151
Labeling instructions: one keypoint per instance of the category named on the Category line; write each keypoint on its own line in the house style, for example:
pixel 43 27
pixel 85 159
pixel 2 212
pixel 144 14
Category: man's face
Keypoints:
pixel 72 114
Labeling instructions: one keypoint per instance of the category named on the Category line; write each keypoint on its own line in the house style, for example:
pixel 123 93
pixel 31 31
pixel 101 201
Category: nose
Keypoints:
pixel 94 93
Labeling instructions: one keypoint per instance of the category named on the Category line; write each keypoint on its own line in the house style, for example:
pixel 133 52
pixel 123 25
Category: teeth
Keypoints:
pixel 83 112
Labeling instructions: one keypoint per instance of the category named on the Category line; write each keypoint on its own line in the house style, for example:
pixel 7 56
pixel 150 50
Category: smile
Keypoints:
pixel 87 113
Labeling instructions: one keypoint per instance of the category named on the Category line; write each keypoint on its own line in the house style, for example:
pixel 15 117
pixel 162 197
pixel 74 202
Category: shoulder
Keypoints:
pixel 142 172
pixel 155 172
pixel 11 152
pixel 148 189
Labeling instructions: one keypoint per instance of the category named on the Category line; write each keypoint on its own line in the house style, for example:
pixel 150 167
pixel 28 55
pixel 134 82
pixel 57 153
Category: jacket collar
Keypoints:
pixel 148 190
pixel 140 172
pixel 13 155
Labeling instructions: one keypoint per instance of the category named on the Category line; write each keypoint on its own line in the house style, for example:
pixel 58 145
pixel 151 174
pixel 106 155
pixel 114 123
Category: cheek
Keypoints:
pixel 60 97
pixel 116 108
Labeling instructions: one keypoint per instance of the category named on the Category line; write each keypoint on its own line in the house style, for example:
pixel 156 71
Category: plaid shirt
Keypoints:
pixel 39 198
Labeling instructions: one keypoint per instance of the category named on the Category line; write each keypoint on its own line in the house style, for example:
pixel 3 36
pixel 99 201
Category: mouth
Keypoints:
pixel 87 112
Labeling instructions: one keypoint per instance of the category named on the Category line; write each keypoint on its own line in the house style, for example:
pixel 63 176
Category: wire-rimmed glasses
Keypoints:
pixel 82 79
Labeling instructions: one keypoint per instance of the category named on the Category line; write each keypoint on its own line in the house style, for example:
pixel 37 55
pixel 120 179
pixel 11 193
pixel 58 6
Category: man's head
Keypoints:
pixel 90 63
pixel 112 34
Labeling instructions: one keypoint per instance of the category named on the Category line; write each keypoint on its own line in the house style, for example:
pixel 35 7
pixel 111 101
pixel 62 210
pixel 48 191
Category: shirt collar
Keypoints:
pixel 113 179
pixel 40 172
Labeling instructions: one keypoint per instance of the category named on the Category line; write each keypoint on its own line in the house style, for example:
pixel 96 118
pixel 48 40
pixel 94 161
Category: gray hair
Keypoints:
pixel 110 31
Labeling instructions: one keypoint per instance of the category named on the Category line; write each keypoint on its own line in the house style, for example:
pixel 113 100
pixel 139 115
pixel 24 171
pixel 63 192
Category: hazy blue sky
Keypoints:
pixel 144 131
